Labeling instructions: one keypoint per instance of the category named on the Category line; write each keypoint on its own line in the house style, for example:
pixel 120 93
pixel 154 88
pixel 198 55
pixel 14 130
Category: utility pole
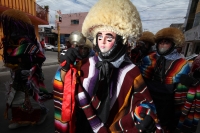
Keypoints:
pixel 58 42
pixel 58 21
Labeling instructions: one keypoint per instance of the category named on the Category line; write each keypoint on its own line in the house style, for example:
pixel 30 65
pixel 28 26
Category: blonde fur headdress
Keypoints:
pixel 147 36
pixel 17 15
pixel 171 33
pixel 118 16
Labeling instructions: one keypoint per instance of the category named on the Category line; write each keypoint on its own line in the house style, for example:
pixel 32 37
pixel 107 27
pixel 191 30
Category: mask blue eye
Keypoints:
pixel 100 37
pixel 109 38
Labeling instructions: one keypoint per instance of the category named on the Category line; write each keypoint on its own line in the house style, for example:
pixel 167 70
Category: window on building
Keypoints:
pixel 196 20
pixel 1 28
pixel 1 35
pixel 197 50
pixel 75 21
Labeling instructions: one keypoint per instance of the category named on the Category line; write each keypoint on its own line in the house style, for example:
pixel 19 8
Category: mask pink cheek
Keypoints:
pixel 99 42
pixel 160 46
pixel 110 45
pixel 168 46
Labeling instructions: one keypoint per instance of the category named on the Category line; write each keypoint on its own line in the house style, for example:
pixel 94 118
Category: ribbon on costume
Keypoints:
pixel 69 94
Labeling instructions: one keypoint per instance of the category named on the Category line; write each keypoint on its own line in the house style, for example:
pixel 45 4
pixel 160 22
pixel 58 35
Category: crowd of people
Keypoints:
pixel 104 84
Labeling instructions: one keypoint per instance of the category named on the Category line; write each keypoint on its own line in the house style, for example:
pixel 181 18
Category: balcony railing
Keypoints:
pixel 27 6
pixel 41 12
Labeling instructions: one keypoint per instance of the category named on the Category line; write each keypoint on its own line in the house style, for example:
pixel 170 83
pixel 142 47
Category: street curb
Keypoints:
pixel 50 63
pixel 4 69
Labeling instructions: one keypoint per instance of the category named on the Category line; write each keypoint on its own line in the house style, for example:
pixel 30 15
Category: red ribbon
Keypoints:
pixel 69 95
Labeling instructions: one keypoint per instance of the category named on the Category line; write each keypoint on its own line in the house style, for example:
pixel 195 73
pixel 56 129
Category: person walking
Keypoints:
pixel 162 71
pixel 143 47
pixel 43 45
pixel 22 56
pixel 190 115
pixel 110 89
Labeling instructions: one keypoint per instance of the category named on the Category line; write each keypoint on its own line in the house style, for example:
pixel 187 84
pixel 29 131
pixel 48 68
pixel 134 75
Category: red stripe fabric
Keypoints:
pixel 69 97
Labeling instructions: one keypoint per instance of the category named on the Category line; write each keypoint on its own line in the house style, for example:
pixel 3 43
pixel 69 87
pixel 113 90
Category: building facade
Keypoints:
pixel 178 25
pixel 192 28
pixel 47 34
pixel 37 14
pixel 70 22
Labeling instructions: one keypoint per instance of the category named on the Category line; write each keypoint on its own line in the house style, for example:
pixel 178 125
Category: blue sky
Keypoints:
pixel 155 14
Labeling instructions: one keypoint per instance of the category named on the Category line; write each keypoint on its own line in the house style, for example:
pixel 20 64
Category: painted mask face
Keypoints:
pixel 106 40
pixel 164 45
pixel 143 46
pixel 84 51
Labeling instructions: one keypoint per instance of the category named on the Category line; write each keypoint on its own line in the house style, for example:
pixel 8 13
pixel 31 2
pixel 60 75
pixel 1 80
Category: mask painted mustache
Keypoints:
pixel 163 50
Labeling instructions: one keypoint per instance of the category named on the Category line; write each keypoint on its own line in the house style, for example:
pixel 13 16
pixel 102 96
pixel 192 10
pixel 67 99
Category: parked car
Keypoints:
pixel 48 46
pixel 62 47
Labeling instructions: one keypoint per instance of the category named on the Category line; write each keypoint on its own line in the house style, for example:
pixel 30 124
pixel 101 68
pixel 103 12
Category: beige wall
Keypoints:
pixel 1 36
pixel 36 31
pixel 66 27
pixel 198 8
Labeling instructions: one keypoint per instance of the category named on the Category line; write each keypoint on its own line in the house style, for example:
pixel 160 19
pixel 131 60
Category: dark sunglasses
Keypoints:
pixel 164 41
pixel 83 47
pixel 140 43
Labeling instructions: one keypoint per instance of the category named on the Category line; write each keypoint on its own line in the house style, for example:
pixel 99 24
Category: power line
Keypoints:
pixel 167 9
pixel 81 3
pixel 156 5
pixel 162 19
pixel 172 8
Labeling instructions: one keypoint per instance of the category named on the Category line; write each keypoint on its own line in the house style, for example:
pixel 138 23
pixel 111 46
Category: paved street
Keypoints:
pixel 48 125
pixel 51 56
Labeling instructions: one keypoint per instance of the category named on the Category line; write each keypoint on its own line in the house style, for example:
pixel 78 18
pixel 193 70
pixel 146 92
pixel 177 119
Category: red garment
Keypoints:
pixel 68 95
pixel 42 44
pixel 67 113
pixel 196 63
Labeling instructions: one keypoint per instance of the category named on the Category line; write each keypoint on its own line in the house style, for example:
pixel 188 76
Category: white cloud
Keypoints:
pixel 155 14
